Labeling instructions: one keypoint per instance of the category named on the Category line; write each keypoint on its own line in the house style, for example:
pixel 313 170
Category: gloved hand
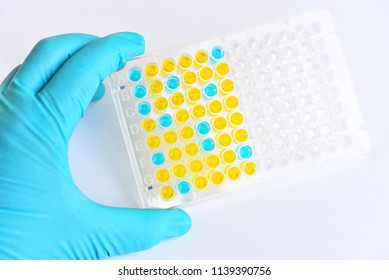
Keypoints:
pixel 43 215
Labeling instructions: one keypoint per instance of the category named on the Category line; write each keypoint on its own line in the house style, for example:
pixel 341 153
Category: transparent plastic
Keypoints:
pixel 206 118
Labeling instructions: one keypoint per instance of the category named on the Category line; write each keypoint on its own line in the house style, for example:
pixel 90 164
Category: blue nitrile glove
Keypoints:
pixel 43 215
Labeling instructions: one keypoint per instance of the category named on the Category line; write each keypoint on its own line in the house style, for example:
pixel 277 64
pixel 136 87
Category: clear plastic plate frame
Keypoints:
pixel 214 116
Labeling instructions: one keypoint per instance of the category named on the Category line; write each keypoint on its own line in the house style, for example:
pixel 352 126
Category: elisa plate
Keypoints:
pixel 214 116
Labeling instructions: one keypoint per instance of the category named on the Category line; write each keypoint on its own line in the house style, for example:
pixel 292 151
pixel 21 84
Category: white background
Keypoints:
pixel 339 212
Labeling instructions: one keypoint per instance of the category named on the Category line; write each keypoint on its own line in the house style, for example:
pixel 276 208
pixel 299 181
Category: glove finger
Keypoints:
pixel 47 57
pixel 8 79
pixel 120 231
pixel 73 86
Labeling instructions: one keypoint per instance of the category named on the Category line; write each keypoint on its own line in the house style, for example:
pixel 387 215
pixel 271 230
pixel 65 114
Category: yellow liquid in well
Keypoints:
pixel 241 135
pixel 227 85
pixel 151 70
pixel 228 156
pixel 189 78
pixel 148 125
pixel 168 65
pixel 236 119
pixel 170 137
pixel 160 103
pixel 175 153
pixel 177 99
pixel 222 69
pixel 231 102
pixel 156 86
pixel 179 170
pixel 216 177
pixel 182 116
pixel 201 57
pixel 212 161
pixel 200 182
pixel 198 111
pixel 206 73
pixel 224 140
pixel 195 166
pixel 215 107
pixel 233 173
pixel 187 132
pixel 191 149
pixel 185 61
pixel 162 175
pixel 167 192
pixel 153 141
pixel 194 95
pixel 219 123
pixel 250 168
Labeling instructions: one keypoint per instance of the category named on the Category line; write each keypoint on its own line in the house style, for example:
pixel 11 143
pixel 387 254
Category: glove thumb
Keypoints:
pixel 99 93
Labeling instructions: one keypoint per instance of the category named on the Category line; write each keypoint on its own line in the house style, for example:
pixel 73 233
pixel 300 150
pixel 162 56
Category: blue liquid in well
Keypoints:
pixel 203 128
pixel 165 120
pixel 208 144
pixel 172 83
pixel 139 91
pixel 144 108
pixel 245 152
pixel 135 74
pixel 217 53
pixel 210 90
pixel 158 158
pixel 183 187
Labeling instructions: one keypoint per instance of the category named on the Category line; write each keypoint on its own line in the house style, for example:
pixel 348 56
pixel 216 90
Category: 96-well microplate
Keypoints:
pixel 214 116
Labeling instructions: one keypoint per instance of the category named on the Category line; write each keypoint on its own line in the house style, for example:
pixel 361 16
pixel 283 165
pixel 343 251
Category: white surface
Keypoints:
pixel 334 213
